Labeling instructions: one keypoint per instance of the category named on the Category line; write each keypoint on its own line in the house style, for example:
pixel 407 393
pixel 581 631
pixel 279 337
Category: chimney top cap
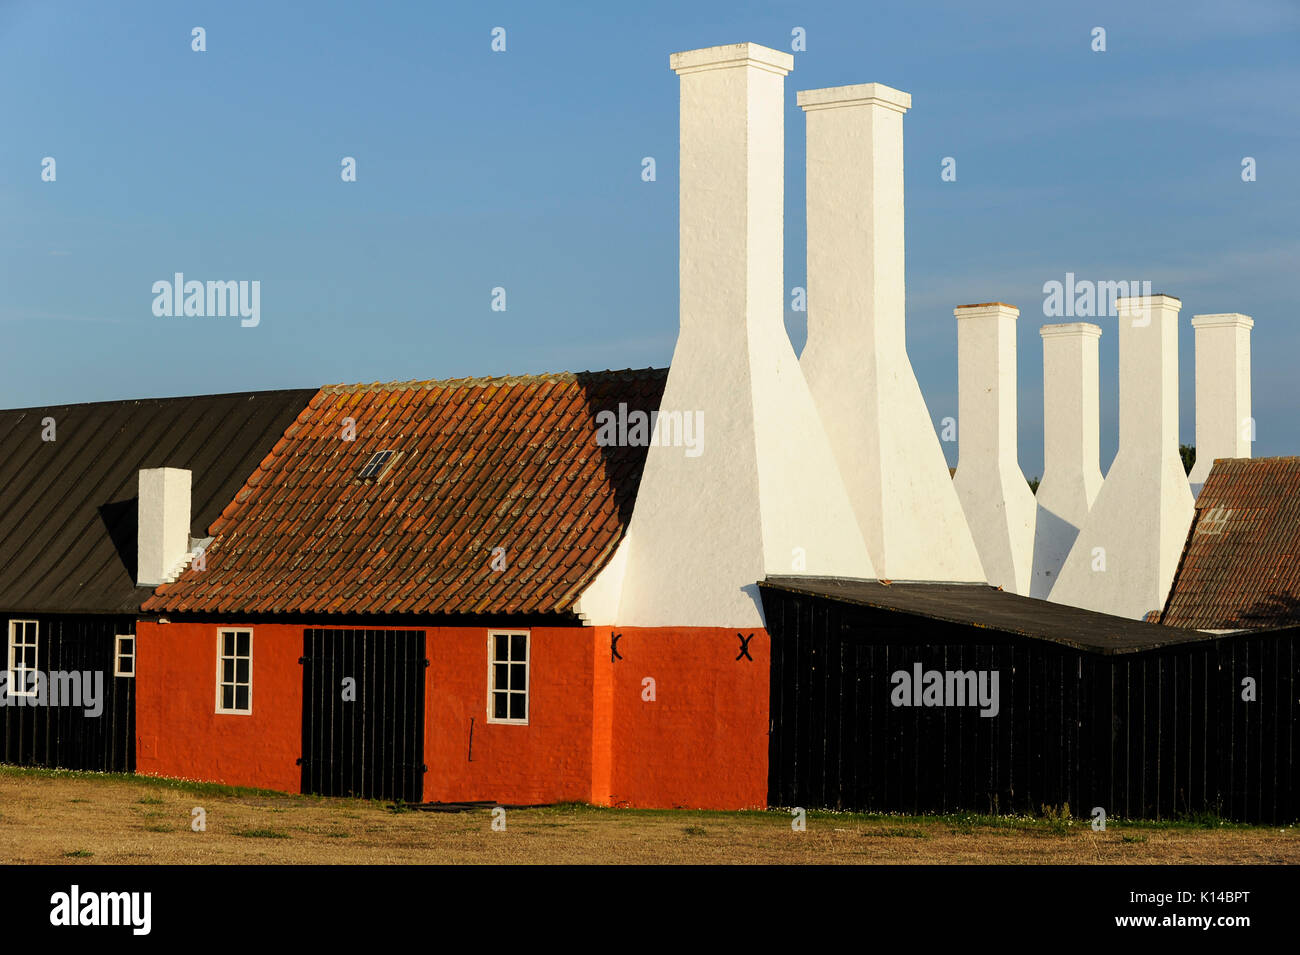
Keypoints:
pixel 1071 329
pixel 985 308
pixel 861 94
pixel 1233 319
pixel 1159 298
pixel 730 56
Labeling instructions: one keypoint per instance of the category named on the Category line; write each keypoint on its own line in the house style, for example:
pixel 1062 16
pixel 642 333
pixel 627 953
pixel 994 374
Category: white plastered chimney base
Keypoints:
pixel 1071 446
pixel 856 362
pixel 1224 427
pixel 994 495
pixel 764 496
pixel 1124 559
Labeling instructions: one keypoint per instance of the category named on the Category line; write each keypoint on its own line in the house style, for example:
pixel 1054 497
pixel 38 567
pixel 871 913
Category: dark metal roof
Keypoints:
pixel 978 605
pixel 68 506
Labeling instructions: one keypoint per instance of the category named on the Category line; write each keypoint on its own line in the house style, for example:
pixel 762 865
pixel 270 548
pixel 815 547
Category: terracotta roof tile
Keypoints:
pixel 484 463
pixel 1241 565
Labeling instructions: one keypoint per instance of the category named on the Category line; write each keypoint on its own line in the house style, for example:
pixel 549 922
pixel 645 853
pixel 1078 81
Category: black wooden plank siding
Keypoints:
pixel 66 737
pixel 371 746
pixel 1143 733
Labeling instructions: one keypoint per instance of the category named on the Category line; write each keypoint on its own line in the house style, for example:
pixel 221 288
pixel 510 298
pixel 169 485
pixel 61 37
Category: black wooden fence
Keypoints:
pixel 67 736
pixel 1153 733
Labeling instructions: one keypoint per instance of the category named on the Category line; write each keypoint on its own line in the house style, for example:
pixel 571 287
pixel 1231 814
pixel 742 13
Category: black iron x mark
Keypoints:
pixel 744 647
pixel 613 647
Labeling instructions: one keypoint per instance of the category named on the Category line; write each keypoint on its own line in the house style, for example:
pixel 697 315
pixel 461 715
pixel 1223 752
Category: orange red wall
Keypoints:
pixel 178 731
pixel 594 732
pixel 702 741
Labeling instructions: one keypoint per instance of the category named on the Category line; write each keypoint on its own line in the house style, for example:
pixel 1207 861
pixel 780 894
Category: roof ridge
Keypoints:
pixel 308 390
pixel 479 381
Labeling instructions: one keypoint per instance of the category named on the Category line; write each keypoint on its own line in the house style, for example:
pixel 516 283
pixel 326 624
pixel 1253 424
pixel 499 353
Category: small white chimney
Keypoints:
pixel 856 361
pixel 763 496
pixel 1071 446
pixel 1124 559
pixel 994 494
pixel 162 524
pixel 1224 426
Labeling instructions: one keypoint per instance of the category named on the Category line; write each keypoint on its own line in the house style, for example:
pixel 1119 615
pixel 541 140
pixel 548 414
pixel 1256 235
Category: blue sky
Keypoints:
pixel 522 169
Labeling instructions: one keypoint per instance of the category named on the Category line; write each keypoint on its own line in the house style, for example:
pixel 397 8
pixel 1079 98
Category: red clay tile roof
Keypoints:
pixel 1241 565
pixel 482 463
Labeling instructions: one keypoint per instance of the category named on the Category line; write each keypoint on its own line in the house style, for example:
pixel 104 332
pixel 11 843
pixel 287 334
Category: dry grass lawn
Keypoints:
pixel 61 817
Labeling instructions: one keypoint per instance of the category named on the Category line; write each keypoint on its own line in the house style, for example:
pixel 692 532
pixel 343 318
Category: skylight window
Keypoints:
pixel 379 462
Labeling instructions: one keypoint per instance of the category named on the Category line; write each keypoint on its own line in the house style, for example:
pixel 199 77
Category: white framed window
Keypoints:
pixel 124 655
pixel 234 670
pixel 508 676
pixel 22 662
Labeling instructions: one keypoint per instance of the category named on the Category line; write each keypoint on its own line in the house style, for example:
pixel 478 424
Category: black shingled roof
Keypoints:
pixel 979 605
pixel 68 507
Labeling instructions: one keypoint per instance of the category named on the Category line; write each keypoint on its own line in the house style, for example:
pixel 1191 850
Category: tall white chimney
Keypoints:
pixel 1071 446
pixel 162 524
pixel 1124 559
pixel 764 496
pixel 856 360
pixel 1224 426
pixel 994 494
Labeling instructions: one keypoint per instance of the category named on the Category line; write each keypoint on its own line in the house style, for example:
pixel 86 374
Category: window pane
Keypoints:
pixel 499 706
pixel 516 706
pixel 518 679
pixel 227 697
pixel 241 697
pixel 241 671
pixel 128 645
pixel 501 676
pixel 243 644
pixel 227 671
pixel 518 647
pixel 227 643
pixel 499 652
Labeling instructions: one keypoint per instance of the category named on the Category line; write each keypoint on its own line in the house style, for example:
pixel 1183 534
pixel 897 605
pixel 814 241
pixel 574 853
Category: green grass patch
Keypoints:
pixel 79 854
pixel 262 834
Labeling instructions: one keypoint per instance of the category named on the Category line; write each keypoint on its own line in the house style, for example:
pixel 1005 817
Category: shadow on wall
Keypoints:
pixel 1053 538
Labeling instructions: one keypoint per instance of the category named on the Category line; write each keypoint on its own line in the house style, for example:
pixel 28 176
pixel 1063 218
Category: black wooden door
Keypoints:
pixel 363 713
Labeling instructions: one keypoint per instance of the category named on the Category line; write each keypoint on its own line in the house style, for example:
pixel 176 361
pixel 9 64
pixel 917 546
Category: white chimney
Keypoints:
pixel 162 524
pixel 1071 451
pixel 763 496
pixel 994 494
pixel 1224 426
pixel 856 360
pixel 1124 559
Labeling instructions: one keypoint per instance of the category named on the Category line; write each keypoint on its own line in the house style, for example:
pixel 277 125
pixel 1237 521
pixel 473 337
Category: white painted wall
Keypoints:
pixel 855 361
pixel 162 524
pixel 994 495
pixel 705 529
pixel 1071 452
pixel 1224 427
pixel 1138 525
